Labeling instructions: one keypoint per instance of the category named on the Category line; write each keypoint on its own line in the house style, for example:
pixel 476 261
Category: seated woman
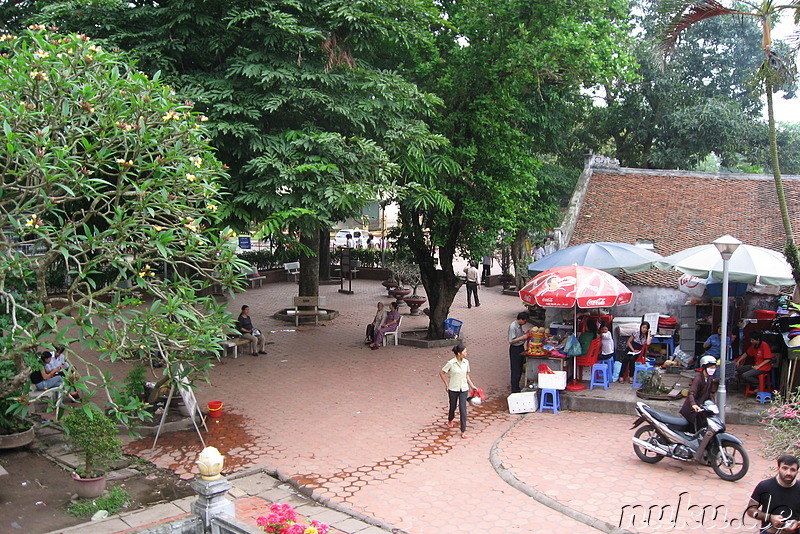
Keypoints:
pixel 389 325
pixel 639 339
pixel 44 379
pixel 377 322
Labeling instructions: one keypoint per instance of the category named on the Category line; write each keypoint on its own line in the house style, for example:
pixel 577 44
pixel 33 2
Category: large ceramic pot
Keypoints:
pixel 398 294
pixel 19 439
pixel 414 303
pixel 389 285
pixel 89 488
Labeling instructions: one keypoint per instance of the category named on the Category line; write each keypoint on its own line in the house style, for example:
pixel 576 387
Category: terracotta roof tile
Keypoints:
pixel 680 211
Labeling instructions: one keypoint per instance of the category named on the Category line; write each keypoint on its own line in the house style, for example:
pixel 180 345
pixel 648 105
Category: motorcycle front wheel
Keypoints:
pixel 733 465
pixel 647 433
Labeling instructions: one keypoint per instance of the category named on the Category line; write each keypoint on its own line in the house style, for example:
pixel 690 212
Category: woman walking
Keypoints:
pixel 457 382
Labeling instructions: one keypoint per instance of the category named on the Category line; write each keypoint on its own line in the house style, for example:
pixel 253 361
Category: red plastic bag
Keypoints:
pixel 477 392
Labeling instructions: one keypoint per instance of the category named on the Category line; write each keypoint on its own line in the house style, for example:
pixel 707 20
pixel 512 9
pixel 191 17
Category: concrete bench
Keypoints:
pixel 292 270
pixel 38 399
pixel 233 344
pixel 307 307
pixel 255 279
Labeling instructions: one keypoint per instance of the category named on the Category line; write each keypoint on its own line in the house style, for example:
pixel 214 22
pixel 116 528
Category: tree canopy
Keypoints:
pixel 110 233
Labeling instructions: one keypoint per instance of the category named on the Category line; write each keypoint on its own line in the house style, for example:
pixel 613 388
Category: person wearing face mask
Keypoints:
pixel 704 387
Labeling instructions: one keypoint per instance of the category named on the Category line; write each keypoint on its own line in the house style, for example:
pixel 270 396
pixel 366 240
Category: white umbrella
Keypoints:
pixel 749 264
pixel 608 257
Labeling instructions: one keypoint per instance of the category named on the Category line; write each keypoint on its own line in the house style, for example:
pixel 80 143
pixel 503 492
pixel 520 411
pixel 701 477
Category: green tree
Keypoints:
pixel 773 72
pixel 704 100
pixel 302 105
pixel 510 73
pixel 110 235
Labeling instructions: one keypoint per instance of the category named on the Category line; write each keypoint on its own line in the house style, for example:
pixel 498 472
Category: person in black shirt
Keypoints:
pixel 776 501
pixel 244 324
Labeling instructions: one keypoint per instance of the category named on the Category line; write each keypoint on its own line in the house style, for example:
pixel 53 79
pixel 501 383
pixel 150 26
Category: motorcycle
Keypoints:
pixel 673 436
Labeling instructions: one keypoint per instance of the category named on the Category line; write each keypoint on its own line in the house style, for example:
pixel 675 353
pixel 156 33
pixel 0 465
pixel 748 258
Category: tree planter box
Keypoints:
pixel 493 280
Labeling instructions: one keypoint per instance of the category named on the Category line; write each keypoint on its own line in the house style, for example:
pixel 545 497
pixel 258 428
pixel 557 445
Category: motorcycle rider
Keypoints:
pixel 703 387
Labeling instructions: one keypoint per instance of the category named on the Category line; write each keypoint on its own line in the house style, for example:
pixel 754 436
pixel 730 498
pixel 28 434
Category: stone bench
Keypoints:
pixel 234 344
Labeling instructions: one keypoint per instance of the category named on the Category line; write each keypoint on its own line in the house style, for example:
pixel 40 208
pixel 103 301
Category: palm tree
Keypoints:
pixel 773 70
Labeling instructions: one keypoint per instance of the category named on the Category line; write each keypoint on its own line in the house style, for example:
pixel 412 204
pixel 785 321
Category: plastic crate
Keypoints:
pixel 557 380
pixel 522 402
pixel 666 332
pixel 452 327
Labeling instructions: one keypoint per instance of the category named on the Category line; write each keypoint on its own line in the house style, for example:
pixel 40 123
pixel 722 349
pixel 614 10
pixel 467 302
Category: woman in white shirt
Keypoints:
pixel 457 382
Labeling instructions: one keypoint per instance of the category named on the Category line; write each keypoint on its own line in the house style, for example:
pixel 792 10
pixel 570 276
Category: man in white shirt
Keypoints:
pixel 516 348
pixel 538 252
pixel 472 283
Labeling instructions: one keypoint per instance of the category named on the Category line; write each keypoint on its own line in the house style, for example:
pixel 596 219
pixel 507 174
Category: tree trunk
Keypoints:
pixel 309 267
pixel 790 249
pixel 517 255
pixel 324 255
pixel 441 287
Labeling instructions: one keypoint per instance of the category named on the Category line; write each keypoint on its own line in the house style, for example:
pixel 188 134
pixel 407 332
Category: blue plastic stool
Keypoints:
pixel 599 376
pixel 610 363
pixel 551 403
pixel 764 396
pixel 640 369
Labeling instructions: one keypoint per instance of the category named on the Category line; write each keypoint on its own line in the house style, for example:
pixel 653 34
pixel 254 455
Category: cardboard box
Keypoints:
pixel 557 380
pixel 522 402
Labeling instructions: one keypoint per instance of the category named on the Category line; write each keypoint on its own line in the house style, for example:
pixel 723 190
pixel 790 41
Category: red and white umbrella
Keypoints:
pixel 571 285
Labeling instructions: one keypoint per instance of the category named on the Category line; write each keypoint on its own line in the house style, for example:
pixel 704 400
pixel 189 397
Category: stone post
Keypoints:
pixel 211 500
pixel 211 488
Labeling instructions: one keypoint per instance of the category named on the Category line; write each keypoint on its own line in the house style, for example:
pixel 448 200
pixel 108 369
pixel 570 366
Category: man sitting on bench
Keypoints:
pixel 244 324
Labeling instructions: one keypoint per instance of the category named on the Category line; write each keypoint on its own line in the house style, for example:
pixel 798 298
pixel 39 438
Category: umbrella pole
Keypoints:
pixel 575 385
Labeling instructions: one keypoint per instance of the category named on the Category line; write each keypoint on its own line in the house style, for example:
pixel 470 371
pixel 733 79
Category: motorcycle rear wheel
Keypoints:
pixel 647 433
pixel 739 462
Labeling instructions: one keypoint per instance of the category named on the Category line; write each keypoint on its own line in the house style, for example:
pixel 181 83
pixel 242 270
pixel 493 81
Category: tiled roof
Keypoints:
pixel 678 211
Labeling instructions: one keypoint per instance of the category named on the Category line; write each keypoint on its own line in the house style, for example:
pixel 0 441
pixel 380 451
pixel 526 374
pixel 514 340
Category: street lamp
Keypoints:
pixel 726 245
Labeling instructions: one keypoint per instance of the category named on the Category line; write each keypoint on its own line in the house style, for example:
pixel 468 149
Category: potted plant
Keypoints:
pixel 414 279
pixel 399 272
pixel 94 437
pixel 507 279
pixel 15 429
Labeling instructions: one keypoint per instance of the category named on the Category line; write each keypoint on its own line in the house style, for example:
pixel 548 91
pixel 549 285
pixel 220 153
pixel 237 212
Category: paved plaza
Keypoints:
pixel 366 430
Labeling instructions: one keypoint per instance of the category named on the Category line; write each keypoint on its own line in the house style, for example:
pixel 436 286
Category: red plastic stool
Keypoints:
pixel 763 380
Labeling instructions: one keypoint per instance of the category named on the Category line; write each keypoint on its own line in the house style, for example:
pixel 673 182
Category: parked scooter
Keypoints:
pixel 674 436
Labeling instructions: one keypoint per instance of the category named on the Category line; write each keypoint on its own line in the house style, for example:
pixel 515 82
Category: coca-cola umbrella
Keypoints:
pixel 573 286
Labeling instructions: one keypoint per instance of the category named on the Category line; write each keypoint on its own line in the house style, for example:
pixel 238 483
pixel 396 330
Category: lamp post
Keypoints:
pixel 726 245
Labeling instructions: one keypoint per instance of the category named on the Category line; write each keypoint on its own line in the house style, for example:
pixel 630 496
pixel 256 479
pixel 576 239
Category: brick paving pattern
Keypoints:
pixel 366 429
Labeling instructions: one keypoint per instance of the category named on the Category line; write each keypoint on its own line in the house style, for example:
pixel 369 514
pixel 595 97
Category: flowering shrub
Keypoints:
pixel 782 421
pixel 282 519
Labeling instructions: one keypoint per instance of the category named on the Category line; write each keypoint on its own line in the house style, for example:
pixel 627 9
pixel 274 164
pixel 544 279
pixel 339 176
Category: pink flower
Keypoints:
pixel 322 528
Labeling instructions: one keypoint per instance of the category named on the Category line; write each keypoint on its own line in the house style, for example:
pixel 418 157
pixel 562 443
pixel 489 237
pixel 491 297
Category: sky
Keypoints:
pixel 785 110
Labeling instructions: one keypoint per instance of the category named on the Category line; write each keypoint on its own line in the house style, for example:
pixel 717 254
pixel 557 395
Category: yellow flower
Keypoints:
pixel 198 161
pixel 191 177
pixel 95 49
pixel 212 207
pixel 124 163
pixel 6 37
pixel 36 27
pixel 41 53
pixel 171 116
pixel 311 530
pixel 33 222
pixel 158 228
pixel 203 118
pixel 37 75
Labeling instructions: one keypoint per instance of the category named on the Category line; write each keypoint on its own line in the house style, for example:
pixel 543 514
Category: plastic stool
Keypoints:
pixel 762 385
pixel 640 369
pixel 599 376
pixel 551 403
pixel 764 396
